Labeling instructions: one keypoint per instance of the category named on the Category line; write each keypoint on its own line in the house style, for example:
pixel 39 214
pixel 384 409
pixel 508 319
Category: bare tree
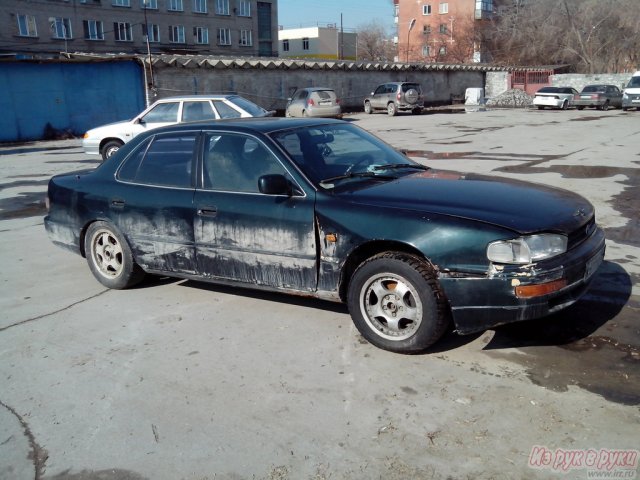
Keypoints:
pixel 591 35
pixel 374 43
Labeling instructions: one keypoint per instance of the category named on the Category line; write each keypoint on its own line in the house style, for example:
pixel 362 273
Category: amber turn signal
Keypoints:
pixel 529 291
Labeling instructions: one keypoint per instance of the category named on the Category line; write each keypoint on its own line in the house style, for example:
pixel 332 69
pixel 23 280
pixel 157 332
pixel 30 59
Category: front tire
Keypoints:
pixel 110 148
pixel 396 303
pixel 367 108
pixel 580 108
pixel 109 257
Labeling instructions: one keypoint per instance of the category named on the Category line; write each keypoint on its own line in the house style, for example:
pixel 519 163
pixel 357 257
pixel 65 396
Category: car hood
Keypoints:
pixel 115 126
pixel 519 206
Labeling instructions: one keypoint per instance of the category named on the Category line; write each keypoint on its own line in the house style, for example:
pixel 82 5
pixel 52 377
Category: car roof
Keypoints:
pixel 213 96
pixel 263 125
pixel 315 89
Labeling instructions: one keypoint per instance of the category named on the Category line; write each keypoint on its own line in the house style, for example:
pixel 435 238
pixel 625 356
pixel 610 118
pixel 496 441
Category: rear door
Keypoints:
pixel 152 202
pixel 379 97
pixel 246 236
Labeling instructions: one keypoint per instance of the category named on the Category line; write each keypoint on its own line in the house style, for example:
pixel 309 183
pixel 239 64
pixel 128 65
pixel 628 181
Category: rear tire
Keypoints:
pixel 540 107
pixel 109 257
pixel 580 108
pixel 605 107
pixel 396 303
pixel 392 110
pixel 565 105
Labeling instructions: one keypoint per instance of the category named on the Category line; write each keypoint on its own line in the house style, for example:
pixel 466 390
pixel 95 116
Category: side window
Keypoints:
pixel 380 89
pixel 234 163
pixel 164 160
pixel 196 111
pixel 225 111
pixel 162 113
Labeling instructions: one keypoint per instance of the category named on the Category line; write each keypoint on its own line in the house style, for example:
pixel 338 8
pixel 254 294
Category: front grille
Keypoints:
pixel 581 234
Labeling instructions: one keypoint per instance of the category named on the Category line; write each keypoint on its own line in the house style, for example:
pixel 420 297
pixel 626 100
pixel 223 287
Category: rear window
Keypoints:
pixel 325 94
pixel 249 107
pixel 408 86
pixel 593 88
pixel 549 90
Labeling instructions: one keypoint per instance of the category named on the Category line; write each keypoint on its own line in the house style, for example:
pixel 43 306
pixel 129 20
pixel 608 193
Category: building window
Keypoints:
pixel 224 36
pixel 443 28
pixel 305 43
pixel 285 45
pixel 61 27
pixel 122 31
pixel 426 51
pixel 444 8
pixel 121 3
pixel 200 6
pixel 27 26
pixel 246 39
pixel 175 5
pixel 149 4
pixel 176 33
pixel 244 8
pixel 201 35
pixel 93 30
pixel 426 29
pixel 154 32
pixel 426 10
pixel 222 7
pixel 442 51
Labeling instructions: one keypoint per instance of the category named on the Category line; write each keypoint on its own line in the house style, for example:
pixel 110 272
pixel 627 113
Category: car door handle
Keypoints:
pixel 117 203
pixel 207 211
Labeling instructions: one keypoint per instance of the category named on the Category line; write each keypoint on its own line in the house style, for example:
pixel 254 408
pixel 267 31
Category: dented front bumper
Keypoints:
pixel 481 302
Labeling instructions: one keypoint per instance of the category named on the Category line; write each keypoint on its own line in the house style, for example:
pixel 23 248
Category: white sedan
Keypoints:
pixel 107 139
pixel 554 97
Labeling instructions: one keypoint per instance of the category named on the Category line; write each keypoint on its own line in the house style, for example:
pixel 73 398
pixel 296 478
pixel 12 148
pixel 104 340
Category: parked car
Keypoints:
pixel 554 97
pixel 324 209
pixel 631 94
pixel 107 139
pixel 601 97
pixel 395 97
pixel 313 102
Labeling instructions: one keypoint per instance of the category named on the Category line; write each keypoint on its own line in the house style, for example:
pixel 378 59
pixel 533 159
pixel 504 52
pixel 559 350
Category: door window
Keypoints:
pixel 162 113
pixel 196 111
pixel 234 163
pixel 164 160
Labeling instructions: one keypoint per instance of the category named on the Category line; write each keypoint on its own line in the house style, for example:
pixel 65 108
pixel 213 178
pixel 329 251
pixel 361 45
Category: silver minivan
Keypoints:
pixel 313 102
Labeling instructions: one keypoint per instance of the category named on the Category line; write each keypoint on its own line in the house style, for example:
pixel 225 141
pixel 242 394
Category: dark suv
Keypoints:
pixel 394 97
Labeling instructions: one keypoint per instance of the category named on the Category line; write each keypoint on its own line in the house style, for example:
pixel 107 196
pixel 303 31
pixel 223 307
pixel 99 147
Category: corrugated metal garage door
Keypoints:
pixel 67 96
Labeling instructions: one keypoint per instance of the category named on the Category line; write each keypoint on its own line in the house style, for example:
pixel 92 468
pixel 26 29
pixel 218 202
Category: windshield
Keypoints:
pixel 342 151
pixel 634 82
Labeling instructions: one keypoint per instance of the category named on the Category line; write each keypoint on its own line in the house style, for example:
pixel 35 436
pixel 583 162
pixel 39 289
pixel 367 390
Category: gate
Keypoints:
pixel 531 80
pixel 74 97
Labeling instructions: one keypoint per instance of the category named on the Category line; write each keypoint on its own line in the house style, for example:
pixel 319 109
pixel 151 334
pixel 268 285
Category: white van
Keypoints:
pixel 631 94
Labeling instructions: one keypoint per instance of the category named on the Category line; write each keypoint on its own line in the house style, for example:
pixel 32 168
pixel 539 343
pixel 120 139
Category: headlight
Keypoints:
pixel 527 249
pixel 624 95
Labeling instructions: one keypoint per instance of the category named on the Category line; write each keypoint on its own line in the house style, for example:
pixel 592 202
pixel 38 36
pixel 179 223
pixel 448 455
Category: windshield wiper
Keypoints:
pixel 394 166
pixel 328 181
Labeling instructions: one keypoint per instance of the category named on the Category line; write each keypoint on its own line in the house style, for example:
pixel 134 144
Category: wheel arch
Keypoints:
pixel 369 250
pixel 106 140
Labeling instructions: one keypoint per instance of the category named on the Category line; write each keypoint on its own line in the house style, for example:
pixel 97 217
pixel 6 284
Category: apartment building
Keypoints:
pixel 211 27
pixel 441 30
pixel 328 43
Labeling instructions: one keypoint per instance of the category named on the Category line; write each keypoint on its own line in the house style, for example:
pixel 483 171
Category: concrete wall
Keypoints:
pixel 497 83
pixel 270 88
pixel 578 81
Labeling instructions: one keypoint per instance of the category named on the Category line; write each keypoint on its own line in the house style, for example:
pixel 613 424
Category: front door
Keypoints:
pixel 246 236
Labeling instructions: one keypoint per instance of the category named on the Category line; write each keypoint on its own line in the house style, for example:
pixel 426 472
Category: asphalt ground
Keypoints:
pixel 178 379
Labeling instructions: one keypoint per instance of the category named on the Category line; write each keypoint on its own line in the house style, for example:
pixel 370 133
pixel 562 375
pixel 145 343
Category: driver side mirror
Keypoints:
pixel 274 185
pixel 139 121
